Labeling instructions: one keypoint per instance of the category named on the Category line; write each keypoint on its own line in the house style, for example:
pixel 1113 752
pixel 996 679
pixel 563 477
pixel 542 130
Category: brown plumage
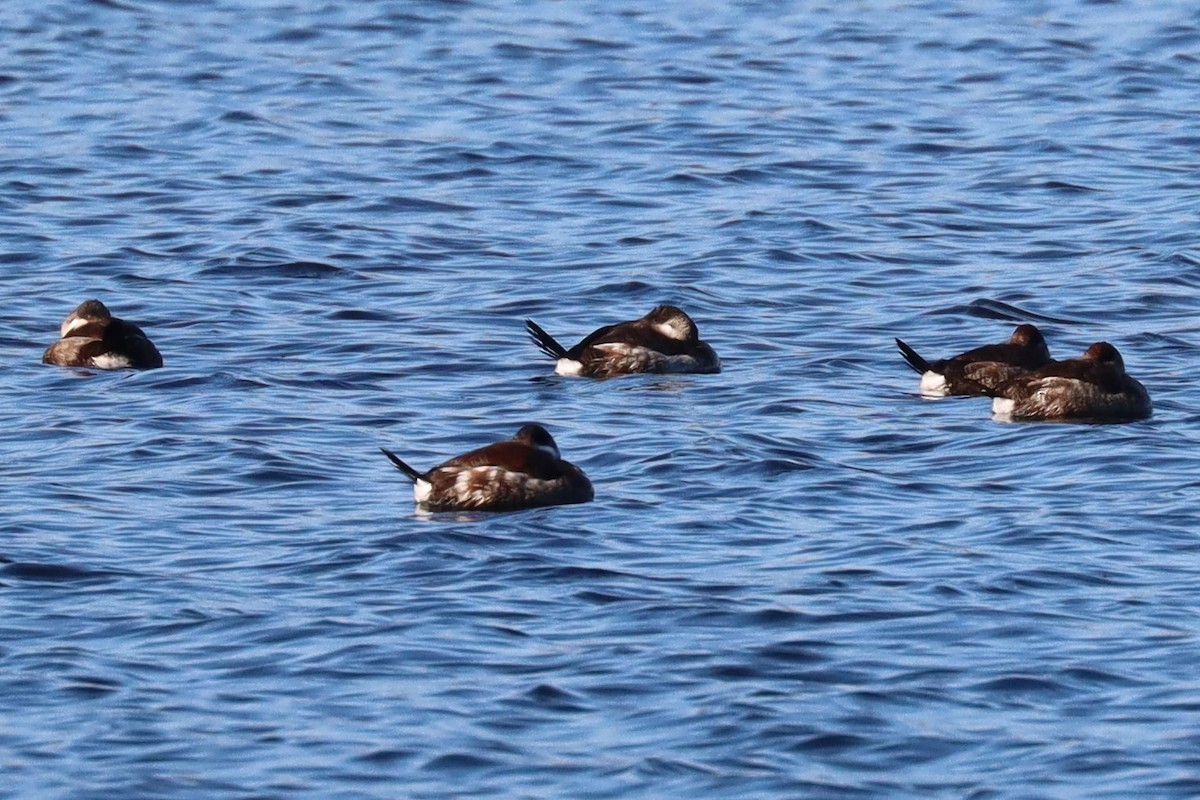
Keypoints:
pixel 525 471
pixel 92 337
pixel 666 340
pixel 1094 386
pixel 981 370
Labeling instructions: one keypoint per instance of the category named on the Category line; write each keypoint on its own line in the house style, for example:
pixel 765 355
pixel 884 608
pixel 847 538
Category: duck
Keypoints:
pixel 526 471
pixel 91 336
pixel 1093 387
pixel 666 340
pixel 981 370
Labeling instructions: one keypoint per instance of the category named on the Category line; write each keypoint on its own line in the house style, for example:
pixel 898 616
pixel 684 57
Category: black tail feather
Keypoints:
pixel 400 465
pixel 914 360
pixel 544 341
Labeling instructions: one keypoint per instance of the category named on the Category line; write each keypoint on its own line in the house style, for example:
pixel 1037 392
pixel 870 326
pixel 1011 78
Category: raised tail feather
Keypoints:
pixel 545 341
pixel 914 360
pixel 400 465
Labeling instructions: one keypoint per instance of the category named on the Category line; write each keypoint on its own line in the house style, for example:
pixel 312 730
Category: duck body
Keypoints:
pixel 980 370
pixel 1093 387
pixel 525 471
pixel 666 340
pixel 91 336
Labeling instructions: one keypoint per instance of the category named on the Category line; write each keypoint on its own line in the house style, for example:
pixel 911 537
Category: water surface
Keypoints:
pixel 798 578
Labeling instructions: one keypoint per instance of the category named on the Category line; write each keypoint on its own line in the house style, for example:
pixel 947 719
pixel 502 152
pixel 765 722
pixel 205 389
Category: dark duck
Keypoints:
pixel 91 336
pixel 981 370
pixel 1093 387
pixel 526 471
pixel 664 341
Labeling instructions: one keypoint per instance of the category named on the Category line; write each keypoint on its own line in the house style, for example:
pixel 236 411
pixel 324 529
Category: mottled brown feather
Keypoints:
pixel 1093 386
pixel 641 347
pixel 980 370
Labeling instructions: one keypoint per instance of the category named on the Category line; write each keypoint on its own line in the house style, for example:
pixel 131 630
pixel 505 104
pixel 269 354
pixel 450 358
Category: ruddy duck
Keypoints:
pixel 525 471
pixel 92 337
pixel 979 371
pixel 1092 387
pixel 665 340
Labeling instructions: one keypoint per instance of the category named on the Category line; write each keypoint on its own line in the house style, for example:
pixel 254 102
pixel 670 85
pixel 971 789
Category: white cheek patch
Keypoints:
pixel 110 361
pixel 669 330
pixel 72 325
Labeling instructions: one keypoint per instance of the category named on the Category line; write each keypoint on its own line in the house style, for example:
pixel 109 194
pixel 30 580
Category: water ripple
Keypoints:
pixel 798 577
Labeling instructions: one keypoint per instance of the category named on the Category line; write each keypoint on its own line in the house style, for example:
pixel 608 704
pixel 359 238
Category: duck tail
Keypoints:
pixel 544 341
pixel 400 465
pixel 913 358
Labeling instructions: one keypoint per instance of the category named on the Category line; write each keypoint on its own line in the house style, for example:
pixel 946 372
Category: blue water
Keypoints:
pixel 798 579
